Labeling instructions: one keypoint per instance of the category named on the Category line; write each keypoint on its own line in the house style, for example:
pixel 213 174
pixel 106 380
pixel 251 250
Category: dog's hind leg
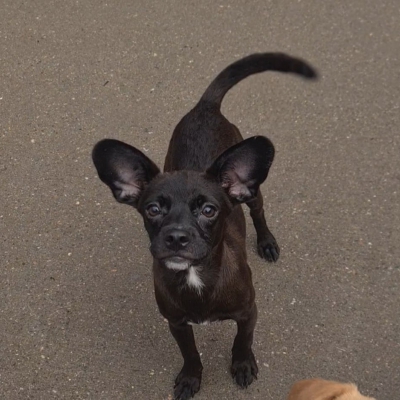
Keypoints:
pixel 266 244
pixel 187 383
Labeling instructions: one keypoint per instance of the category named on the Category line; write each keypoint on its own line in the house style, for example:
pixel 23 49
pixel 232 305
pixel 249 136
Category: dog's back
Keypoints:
pixel 204 133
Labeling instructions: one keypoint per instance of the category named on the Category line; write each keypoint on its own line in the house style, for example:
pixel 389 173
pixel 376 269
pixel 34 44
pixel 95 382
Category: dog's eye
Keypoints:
pixel 209 211
pixel 153 210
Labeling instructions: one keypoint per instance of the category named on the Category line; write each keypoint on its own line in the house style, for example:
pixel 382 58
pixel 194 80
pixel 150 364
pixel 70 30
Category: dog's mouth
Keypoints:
pixel 177 263
pixel 178 260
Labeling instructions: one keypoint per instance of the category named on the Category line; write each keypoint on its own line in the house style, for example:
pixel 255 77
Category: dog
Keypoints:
pixel 194 220
pixel 320 389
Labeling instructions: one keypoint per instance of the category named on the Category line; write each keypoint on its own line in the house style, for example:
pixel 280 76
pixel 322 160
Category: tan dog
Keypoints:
pixel 319 389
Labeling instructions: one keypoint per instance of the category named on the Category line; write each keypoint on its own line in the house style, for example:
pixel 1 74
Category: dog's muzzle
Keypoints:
pixel 179 247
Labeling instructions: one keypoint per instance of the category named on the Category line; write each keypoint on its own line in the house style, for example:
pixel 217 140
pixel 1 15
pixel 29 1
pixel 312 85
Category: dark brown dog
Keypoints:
pixel 196 226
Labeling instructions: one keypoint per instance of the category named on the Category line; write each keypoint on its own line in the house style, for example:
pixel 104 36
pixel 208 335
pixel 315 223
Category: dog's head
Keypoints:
pixel 184 212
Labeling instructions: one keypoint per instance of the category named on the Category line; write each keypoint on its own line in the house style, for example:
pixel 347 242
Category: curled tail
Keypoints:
pixel 250 65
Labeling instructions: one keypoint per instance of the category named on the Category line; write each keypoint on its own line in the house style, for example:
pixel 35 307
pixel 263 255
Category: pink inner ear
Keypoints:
pixel 235 181
pixel 128 191
pixel 239 192
pixel 241 170
pixel 128 183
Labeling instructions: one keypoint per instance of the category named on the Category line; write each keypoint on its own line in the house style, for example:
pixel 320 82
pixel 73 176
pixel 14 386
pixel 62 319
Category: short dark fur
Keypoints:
pixel 195 223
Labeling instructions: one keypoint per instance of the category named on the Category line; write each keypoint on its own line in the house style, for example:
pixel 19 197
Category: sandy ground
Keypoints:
pixel 77 314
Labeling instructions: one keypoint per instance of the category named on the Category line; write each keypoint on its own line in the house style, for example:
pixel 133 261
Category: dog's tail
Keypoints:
pixel 250 65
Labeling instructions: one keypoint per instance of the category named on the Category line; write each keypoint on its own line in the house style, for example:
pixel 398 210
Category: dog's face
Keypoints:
pixel 184 212
pixel 184 215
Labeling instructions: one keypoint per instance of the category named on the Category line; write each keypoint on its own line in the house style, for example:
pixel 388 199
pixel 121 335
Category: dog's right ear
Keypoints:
pixel 244 167
pixel 124 169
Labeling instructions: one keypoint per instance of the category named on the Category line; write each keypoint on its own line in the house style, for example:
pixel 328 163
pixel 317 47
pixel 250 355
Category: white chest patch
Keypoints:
pixel 200 323
pixel 193 279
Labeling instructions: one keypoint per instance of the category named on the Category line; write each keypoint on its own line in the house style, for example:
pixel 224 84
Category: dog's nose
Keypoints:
pixel 177 239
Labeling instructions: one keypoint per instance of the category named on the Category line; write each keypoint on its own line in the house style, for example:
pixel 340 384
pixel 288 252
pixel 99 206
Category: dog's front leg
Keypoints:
pixel 187 383
pixel 244 365
pixel 266 244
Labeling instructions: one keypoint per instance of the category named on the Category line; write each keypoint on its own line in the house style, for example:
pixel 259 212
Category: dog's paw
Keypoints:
pixel 244 372
pixel 268 249
pixel 186 386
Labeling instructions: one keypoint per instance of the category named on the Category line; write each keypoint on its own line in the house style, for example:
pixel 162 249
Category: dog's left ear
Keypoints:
pixel 244 167
pixel 125 169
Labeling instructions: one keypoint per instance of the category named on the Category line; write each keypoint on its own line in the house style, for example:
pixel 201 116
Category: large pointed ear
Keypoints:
pixel 244 167
pixel 124 169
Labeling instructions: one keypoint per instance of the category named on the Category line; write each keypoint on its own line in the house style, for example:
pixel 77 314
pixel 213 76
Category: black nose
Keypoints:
pixel 176 239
